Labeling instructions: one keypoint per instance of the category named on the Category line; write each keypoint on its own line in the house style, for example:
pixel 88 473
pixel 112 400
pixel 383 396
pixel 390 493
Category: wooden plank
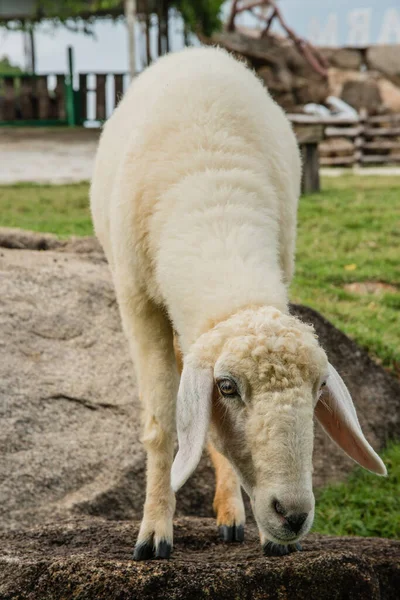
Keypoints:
pixel 100 97
pixel 43 98
pixel 83 90
pixel 26 98
pixel 310 133
pixel 381 131
pixel 340 147
pixel 382 145
pixel 344 131
pixel 310 180
pixel 311 119
pixel 118 88
pixel 337 160
pixel 60 98
pixel 392 118
pixel 9 100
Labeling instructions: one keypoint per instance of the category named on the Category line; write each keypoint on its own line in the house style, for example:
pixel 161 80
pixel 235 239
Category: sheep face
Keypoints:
pixel 262 421
pixel 254 383
pixel 266 387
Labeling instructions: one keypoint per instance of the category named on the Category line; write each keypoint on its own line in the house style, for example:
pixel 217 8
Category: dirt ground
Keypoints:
pixel 90 559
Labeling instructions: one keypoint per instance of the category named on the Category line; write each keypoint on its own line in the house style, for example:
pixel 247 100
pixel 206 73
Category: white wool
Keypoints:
pixel 195 190
pixel 194 200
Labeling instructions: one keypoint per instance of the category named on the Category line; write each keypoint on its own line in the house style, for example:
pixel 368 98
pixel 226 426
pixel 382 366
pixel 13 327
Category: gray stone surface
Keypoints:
pixel 69 411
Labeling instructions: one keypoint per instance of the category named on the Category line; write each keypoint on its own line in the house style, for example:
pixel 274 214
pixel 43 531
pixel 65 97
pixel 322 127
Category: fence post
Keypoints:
pixel 130 18
pixel 360 139
pixel 69 90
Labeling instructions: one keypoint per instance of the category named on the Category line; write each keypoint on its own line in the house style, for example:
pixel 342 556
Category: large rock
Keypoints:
pixel 385 95
pixel 288 76
pixel 343 58
pixel 90 559
pixel 69 411
pixel 362 95
pixel 390 95
pixel 385 59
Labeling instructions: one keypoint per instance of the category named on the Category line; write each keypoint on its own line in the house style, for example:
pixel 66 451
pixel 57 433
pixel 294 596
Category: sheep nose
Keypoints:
pixel 296 521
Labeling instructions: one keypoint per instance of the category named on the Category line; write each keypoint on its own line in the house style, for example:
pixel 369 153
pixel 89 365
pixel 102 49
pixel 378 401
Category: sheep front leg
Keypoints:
pixel 151 342
pixel 228 502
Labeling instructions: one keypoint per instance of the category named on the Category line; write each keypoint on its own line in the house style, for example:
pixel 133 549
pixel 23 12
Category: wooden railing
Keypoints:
pixel 56 98
pixel 31 99
pixel 59 99
pixel 363 141
pixel 100 93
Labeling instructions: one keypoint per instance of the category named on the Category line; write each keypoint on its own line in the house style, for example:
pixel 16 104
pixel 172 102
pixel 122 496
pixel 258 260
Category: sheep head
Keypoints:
pixel 253 383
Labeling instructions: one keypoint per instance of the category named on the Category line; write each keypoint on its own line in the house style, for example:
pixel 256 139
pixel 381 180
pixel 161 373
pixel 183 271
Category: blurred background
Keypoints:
pixel 334 66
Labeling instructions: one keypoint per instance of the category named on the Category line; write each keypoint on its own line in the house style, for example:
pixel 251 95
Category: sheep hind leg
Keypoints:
pixel 151 342
pixel 228 502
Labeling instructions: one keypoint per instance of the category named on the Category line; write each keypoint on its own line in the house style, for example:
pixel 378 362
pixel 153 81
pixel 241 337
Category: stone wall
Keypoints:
pixel 366 78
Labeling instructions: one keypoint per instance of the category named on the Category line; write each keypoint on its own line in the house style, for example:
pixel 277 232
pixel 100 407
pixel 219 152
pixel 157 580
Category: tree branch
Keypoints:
pixel 308 51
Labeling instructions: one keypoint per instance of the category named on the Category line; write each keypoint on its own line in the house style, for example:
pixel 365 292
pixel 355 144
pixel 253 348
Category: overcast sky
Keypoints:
pixel 326 22
pixel 104 51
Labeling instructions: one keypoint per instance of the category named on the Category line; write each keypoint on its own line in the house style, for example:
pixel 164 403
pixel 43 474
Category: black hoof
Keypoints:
pixel 143 551
pixel 231 533
pixel 271 549
pixel 147 551
pixel 163 550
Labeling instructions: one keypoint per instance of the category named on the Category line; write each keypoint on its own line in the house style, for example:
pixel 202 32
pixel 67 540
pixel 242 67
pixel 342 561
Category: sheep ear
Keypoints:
pixel 337 415
pixel 193 412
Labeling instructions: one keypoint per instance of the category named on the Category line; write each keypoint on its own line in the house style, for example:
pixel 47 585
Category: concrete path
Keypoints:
pixel 47 155
pixel 67 155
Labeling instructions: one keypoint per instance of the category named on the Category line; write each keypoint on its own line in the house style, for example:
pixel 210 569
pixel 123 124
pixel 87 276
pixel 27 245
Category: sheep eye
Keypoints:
pixel 227 387
pixel 321 388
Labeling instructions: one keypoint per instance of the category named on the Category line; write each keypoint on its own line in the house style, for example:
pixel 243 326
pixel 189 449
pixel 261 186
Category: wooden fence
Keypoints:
pixel 99 94
pixel 59 99
pixel 25 99
pixel 363 141
pixel 67 99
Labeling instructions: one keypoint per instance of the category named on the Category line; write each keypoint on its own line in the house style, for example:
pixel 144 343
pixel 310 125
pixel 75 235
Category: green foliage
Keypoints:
pixel 202 15
pixel 6 68
pixel 365 504
pixel 199 15
pixel 70 9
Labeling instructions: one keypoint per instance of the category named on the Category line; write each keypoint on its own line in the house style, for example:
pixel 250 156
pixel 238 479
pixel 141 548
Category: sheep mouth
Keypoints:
pixel 274 537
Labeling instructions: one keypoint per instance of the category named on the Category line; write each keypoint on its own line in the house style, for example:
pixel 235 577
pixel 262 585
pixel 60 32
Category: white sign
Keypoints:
pixel 337 22
pixel 344 22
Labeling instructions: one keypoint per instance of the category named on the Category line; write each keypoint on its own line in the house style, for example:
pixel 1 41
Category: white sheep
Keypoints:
pixel 194 200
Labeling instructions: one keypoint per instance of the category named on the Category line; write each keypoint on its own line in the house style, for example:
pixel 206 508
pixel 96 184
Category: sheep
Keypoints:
pixel 194 200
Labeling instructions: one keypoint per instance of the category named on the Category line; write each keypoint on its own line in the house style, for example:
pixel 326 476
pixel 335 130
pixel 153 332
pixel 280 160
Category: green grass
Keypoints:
pixel 365 504
pixel 355 221
pixel 62 209
pixel 348 233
